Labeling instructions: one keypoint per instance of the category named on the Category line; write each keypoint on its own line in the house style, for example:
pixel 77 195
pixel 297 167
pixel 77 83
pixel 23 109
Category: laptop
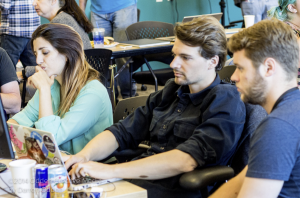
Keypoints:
pixel 218 16
pixel 144 42
pixel 42 147
pixel 187 19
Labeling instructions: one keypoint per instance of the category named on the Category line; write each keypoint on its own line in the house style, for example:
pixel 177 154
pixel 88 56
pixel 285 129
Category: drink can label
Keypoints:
pixel 58 180
pixel 41 185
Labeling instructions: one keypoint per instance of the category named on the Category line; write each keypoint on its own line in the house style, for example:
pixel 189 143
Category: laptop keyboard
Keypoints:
pixel 84 180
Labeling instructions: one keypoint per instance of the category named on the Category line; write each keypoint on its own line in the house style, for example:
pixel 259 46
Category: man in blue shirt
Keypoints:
pixel 195 121
pixel 115 16
pixel 267 56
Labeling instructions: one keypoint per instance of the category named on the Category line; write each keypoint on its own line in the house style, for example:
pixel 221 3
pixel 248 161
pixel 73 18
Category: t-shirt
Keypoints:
pixel 275 145
pixel 108 6
pixel 7 69
pixel 66 19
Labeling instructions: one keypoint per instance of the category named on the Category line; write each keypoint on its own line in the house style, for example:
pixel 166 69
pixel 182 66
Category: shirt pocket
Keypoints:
pixel 183 130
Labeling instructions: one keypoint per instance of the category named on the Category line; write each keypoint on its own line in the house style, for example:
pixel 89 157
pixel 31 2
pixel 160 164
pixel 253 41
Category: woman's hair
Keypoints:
pixel 71 7
pixel 206 33
pixel 77 71
pixel 281 12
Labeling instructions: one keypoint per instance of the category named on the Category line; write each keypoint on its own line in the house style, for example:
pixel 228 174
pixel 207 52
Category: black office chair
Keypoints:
pixel 200 179
pixel 150 29
pixel 123 109
pixel 226 72
pixel 100 59
pixel 127 106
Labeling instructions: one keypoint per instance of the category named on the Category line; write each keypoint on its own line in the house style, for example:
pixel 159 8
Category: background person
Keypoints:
pixel 267 56
pixel 18 22
pixel 9 87
pixel 115 16
pixel 258 8
pixel 70 102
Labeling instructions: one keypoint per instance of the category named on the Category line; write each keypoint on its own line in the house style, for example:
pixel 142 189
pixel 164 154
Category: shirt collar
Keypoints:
pixel 284 96
pixel 197 98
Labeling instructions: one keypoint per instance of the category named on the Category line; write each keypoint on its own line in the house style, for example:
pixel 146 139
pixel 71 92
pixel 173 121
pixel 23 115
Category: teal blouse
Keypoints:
pixel 89 115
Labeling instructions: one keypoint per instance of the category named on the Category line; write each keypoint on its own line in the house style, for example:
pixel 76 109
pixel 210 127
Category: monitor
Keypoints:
pixel 6 150
pixel 189 18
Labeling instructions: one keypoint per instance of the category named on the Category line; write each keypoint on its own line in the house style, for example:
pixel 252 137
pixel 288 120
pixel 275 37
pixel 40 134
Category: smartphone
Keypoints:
pixel 85 195
pixel 2 167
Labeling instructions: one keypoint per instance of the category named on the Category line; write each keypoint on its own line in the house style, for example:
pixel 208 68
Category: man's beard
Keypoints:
pixel 256 93
pixel 183 80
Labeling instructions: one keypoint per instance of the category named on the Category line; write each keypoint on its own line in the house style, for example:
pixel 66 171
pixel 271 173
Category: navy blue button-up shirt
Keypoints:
pixel 207 125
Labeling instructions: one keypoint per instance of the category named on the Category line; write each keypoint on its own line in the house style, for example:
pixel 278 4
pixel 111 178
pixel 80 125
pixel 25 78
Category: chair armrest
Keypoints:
pixel 200 178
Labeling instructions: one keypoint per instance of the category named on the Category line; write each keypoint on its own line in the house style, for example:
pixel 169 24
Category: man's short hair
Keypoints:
pixel 207 33
pixel 269 38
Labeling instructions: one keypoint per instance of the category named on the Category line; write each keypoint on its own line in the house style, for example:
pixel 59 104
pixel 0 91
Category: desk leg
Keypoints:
pixel 130 76
pixel 112 93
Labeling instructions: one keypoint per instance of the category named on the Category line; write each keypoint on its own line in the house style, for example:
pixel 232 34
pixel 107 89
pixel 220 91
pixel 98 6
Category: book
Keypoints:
pixel 145 42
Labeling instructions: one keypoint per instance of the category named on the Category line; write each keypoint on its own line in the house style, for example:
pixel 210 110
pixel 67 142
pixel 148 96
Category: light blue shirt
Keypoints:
pixel 89 115
pixel 110 6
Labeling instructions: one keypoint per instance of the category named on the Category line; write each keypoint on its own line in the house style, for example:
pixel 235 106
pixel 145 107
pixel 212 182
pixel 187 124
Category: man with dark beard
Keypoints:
pixel 266 56
pixel 195 121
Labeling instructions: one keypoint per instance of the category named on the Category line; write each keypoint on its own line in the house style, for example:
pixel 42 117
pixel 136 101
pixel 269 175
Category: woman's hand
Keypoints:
pixel 40 79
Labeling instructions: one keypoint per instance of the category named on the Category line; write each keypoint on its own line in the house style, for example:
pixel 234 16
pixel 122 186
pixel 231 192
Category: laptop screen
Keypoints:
pixel 6 150
pixel 190 18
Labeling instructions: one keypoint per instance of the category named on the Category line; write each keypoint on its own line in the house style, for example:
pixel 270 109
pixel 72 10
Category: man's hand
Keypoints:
pixel 73 159
pixel 40 79
pixel 20 75
pixel 93 169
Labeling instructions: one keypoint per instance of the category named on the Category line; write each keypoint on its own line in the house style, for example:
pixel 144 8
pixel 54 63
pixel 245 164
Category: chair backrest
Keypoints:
pixel 149 29
pixel 127 106
pixel 254 115
pixel 100 59
pixel 226 72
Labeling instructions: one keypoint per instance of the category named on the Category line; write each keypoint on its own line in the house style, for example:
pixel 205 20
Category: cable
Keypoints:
pixel 176 10
pixel 210 6
pixel 227 11
pixel 13 194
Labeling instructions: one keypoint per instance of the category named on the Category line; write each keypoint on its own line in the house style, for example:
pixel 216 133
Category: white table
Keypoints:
pixel 123 189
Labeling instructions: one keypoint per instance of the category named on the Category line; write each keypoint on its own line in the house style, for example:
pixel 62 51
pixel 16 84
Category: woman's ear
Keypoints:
pixel 292 8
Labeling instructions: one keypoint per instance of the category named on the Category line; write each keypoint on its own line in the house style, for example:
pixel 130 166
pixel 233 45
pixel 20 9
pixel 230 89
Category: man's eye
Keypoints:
pixel 186 58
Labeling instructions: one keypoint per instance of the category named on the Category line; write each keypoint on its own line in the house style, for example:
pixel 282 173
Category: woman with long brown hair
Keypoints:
pixel 70 102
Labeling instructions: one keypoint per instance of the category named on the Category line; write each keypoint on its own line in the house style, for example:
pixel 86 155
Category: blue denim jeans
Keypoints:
pixel 258 8
pixel 115 24
pixel 18 48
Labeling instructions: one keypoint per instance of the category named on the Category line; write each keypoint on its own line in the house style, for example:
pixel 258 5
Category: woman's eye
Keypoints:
pixel 45 53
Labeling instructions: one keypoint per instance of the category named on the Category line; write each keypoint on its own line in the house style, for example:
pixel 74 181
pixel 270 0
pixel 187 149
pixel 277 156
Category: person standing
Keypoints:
pixel 115 16
pixel 258 8
pixel 18 21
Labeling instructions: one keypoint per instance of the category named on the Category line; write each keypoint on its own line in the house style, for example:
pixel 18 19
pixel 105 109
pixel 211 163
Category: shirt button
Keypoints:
pixel 162 148
pixel 179 111
pixel 164 127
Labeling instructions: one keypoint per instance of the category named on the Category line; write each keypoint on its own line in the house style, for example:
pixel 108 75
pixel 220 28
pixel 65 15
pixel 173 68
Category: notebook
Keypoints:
pixel 42 147
pixel 145 42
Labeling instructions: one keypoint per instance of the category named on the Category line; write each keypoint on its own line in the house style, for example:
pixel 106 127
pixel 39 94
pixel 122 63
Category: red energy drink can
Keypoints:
pixel 41 185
